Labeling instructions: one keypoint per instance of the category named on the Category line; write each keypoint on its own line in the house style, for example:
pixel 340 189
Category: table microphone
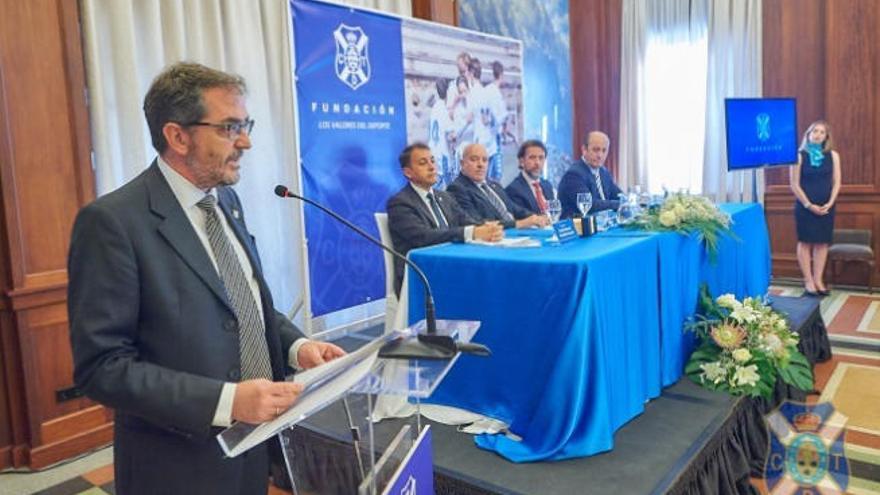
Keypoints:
pixel 429 345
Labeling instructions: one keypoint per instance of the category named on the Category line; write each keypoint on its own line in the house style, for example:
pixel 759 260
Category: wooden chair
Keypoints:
pixel 852 245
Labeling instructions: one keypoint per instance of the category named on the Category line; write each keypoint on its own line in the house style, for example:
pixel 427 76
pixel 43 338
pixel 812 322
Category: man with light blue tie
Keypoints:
pixel 589 175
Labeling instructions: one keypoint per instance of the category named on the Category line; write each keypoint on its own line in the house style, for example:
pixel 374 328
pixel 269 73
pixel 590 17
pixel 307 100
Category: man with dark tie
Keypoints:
pixel 528 189
pixel 171 321
pixel 484 199
pixel 420 215
pixel 589 175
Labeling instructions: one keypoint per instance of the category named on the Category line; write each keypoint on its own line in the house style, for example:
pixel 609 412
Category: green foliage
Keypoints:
pixel 745 347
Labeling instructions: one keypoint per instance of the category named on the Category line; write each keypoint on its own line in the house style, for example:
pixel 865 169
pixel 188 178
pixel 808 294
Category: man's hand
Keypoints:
pixel 258 401
pixel 489 232
pixel 315 352
pixel 533 221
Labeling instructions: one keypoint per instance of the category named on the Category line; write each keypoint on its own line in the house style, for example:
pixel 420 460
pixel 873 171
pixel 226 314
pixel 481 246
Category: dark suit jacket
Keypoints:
pixel 520 192
pixel 475 203
pixel 154 337
pixel 412 224
pixel 579 179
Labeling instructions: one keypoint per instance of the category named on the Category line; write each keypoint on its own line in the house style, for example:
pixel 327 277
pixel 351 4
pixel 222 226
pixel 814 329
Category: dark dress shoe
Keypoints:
pixel 810 293
pixel 825 292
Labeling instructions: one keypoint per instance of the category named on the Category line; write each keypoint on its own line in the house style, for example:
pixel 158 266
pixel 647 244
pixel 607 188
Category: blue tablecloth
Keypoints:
pixel 582 334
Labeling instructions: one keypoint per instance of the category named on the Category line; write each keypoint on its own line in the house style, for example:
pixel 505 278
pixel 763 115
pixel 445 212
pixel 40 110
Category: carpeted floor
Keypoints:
pixel 850 380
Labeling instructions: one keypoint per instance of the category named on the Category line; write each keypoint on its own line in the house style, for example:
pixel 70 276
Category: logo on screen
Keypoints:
pixel 762 126
pixel 806 450
pixel 352 61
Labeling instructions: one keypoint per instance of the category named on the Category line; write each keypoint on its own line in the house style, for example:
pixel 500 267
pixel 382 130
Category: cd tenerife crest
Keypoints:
pixel 352 60
pixel 806 450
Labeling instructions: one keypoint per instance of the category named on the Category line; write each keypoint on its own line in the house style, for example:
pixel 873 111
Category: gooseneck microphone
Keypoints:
pixel 430 345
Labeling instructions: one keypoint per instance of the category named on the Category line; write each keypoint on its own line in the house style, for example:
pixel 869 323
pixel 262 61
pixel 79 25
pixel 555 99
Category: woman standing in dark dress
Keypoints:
pixel 815 181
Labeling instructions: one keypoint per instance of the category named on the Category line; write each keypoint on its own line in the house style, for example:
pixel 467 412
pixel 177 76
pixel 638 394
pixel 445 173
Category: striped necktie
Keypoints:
pixel 252 347
pixel 496 203
pixel 598 179
pixel 441 222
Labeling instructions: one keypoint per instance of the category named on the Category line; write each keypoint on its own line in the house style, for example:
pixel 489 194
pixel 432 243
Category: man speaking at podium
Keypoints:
pixel 171 321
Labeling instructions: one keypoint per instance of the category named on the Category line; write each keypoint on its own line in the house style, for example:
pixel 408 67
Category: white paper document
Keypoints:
pixel 511 242
pixel 322 385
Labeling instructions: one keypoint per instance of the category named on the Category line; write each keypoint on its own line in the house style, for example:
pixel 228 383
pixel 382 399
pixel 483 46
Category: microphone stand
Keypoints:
pixel 429 345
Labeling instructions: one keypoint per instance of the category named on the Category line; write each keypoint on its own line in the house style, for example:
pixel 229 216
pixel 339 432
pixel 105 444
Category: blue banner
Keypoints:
pixel 352 126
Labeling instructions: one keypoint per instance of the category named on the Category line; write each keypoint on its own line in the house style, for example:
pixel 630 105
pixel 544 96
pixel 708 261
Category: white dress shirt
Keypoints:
pixel 188 195
pixel 423 193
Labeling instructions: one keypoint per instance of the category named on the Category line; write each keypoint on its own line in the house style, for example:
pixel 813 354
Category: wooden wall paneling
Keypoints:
pixel 46 177
pixel 872 203
pixel 594 27
pixel 793 51
pixel 13 420
pixel 40 208
pixel 443 11
pixel 852 88
pixel 827 56
pixel 75 75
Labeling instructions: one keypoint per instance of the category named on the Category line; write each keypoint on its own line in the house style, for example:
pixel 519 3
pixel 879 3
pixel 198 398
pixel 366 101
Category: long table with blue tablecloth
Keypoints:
pixel 584 333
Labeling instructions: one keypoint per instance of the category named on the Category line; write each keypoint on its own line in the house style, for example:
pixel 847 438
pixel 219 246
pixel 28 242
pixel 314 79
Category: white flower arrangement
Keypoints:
pixel 687 214
pixel 745 348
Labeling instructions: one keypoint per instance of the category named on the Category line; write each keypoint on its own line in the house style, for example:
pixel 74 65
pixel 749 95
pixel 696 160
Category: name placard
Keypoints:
pixel 565 231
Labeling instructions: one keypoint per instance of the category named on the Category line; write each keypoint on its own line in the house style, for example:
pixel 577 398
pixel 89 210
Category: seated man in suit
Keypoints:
pixel 420 216
pixel 484 199
pixel 589 175
pixel 528 189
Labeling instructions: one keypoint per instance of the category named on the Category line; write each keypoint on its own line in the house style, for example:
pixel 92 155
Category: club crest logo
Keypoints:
pixel 806 450
pixel 352 62
pixel 762 126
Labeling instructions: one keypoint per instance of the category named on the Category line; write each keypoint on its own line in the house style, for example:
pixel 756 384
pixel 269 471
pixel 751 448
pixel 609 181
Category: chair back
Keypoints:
pixel 860 237
pixel 391 301
pixel 385 237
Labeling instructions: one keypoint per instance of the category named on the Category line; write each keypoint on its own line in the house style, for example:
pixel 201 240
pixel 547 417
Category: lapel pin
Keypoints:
pixel 235 214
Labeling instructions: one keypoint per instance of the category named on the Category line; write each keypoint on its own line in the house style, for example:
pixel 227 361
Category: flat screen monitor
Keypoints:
pixel 760 131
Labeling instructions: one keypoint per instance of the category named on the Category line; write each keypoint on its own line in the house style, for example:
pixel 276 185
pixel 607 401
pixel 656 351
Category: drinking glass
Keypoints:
pixel 584 202
pixel 637 189
pixel 625 211
pixel 554 208
pixel 603 220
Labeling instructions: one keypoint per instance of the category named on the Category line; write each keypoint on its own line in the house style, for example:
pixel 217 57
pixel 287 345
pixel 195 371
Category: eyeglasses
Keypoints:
pixel 232 129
